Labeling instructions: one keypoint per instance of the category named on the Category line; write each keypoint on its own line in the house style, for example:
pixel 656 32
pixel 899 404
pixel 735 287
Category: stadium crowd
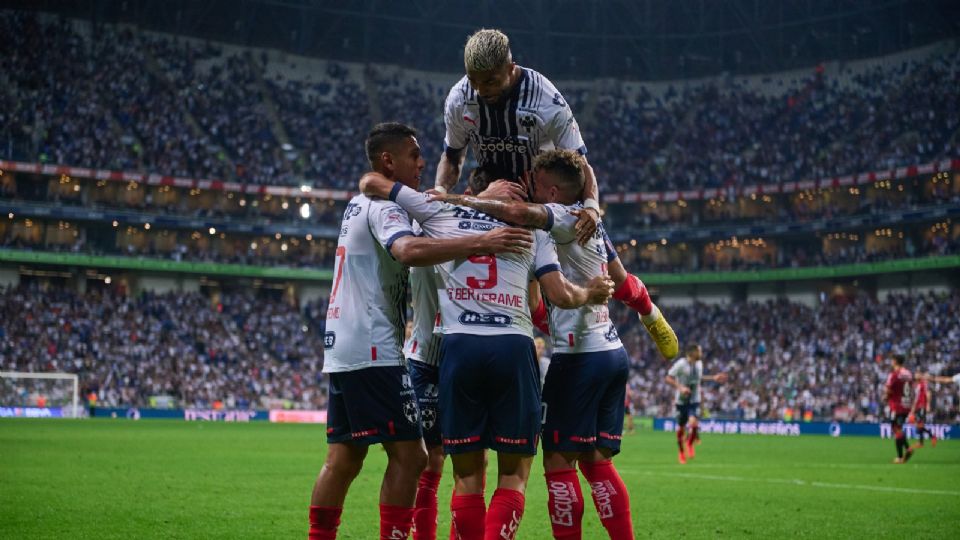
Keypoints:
pixel 785 360
pixel 168 105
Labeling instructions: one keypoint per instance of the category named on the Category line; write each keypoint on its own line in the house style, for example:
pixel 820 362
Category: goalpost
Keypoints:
pixel 40 394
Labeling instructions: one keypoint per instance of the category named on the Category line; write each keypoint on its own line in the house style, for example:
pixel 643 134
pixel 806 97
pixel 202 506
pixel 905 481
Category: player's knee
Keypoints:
pixel 342 466
pixel 410 458
pixel 435 459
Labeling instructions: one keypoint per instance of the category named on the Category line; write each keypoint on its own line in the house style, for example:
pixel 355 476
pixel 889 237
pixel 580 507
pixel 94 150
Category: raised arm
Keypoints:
pixel 514 212
pixel 448 170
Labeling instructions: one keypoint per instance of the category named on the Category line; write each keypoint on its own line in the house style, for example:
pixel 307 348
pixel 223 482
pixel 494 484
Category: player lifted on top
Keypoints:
pixel 685 376
pixel 584 392
pixel 895 392
pixel 489 379
pixel 371 400
pixel 507 115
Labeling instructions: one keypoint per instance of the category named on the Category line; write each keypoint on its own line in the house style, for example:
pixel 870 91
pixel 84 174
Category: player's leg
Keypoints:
pixel 515 424
pixel 425 379
pixel 632 292
pixel 610 496
pixel 342 465
pixel 464 384
pixel 682 417
pixel 570 405
pixel 693 431
pixel 899 436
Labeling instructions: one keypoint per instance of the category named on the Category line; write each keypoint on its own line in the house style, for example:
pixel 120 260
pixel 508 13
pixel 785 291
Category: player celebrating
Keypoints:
pixel 489 380
pixel 685 376
pixel 584 390
pixel 895 393
pixel 371 400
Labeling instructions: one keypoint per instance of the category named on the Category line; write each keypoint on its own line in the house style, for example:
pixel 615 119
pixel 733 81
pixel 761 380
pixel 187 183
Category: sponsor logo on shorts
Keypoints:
pixel 578 439
pixel 507 440
pixel 605 435
pixel 364 433
pixel 564 497
pixel 603 492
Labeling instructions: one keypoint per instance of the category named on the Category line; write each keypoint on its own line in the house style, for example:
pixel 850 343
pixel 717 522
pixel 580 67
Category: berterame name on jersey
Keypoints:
pixel 484 294
pixel 531 119
pixel 688 374
pixel 365 318
pixel 587 328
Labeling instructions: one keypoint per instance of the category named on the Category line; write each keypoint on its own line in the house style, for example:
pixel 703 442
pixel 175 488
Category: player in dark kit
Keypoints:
pixel 895 393
pixel 918 414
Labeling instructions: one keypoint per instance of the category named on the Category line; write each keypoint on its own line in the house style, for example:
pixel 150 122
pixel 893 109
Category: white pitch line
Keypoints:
pixel 796 482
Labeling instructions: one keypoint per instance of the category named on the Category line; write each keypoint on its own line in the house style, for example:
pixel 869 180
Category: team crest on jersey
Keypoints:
pixel 612 334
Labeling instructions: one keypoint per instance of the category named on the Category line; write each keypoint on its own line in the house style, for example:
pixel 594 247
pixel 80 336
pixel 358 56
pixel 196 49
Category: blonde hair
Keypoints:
pixel 486 49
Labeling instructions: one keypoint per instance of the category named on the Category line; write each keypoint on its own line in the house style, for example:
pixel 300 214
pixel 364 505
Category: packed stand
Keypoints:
pixel 785 359
pixel 241 352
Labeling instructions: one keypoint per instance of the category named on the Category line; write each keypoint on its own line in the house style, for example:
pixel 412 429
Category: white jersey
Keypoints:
pixel 531 119
pixel 484 295
pixel 424 342
pixel 365 318
pixel 688 375
pixel 587 328
pixel 956 379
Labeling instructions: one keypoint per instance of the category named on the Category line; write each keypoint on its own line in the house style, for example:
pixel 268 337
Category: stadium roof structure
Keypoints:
pixel 570 39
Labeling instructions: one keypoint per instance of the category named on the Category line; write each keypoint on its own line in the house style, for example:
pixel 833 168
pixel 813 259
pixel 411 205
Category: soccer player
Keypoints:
pixel 685 376
pixel 507 114
pixel 370 397
pixel 584 390
pixel 489 380
pixel 918 413
pixel 895 393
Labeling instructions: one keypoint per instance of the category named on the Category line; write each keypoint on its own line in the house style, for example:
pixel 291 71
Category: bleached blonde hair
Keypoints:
pixel 486 49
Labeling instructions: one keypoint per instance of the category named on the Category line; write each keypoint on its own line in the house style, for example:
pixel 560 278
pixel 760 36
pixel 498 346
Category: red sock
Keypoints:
pixel 565 503
pixel 610 497
pixel 694 435
pixel 425 512
pixel 395 522
pixel 633 293
pixel 680 438
pixel 469 513
pixel 324 521
pixel 504 514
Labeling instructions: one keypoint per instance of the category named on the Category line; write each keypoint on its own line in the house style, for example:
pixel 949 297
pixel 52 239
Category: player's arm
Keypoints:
pixel 682 388
pixel 423 251
pixel 590 217
pixel 566 295
pixel 538 308
pixel 513 212
pixel 717 378
pixel 448 170
pixel 938 378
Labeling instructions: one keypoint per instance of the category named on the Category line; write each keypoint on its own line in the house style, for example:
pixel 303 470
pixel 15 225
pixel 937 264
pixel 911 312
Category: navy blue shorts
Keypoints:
pixel 685 411
pixel 372 405
pixel 489 394
pixel 426 379
pixel 583 401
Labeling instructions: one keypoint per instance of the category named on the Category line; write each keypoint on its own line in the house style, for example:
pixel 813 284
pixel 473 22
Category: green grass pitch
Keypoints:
pixel 172 479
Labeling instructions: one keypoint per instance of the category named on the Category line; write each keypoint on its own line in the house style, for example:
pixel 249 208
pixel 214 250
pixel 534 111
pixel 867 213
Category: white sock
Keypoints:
pixel 652 316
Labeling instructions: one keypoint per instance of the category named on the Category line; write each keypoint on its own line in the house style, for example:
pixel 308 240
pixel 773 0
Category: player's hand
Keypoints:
pixel 684 390
pixel 587 221
pixel 911 419
pixel 506 240
pixel 504 190
pixel 721 378
pixel 599 289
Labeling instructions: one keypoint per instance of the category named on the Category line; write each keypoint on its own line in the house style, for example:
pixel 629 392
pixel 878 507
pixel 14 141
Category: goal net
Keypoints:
pixel 39 395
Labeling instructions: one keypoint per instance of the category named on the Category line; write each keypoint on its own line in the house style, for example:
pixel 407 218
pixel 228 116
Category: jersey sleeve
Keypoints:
pixel 674 369
pixel 388 222
pixel 417 204
pixel 456 134
pixel 544 254
pixel 563 129
pixel 956 379
pixel 608 245
pixel 561 222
